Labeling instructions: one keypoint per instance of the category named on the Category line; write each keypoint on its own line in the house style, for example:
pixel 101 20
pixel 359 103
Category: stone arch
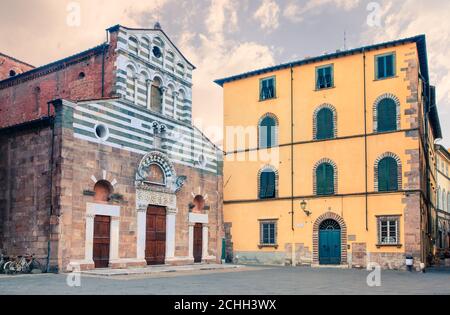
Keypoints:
pixel 375 109
pixel 268 168
pixel 316 112
pixel 277 126
pixel 399 169
pixel 332 163
pixel 133 39
pixel 161 160
pixel 316 228
pixel 103 190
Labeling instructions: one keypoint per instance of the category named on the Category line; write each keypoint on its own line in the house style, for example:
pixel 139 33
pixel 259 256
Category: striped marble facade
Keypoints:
pixel 138 69
pixel 133 128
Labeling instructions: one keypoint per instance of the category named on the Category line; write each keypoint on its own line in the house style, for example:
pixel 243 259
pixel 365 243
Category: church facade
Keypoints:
pixel 102 166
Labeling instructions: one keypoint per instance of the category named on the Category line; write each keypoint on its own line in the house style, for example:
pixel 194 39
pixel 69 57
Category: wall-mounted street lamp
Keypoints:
pixel 304 205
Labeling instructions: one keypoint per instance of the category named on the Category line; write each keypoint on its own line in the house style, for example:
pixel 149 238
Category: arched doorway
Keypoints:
pixel 330 243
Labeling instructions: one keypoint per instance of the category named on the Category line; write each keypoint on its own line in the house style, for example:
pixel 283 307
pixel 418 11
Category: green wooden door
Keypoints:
pixel 330 246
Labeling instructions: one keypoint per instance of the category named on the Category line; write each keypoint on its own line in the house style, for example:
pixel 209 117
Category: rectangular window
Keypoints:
pixel 268 233
pixel 388 230
pixel 267 89
pixel 385 66
pixel 324 77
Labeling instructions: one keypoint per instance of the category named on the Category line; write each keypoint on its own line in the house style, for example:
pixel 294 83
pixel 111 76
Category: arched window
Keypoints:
pixel 386 112
pixel 325 124
pixel 268 132
pixel 267 183
pixel 388 175
pixel 133 45
pixel 103 190
pixel 156 104
pixel 325 174
pixel 145 48
pixel 12 73
pixel 131 84
pixel 180 70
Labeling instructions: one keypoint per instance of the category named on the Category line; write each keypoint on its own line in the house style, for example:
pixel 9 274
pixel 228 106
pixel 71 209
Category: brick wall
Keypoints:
pixel 25 97
pixel 8 64
pixel 25 191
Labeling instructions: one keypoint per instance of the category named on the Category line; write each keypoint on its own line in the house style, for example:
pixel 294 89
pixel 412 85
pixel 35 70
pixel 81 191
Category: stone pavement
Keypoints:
pixel 238 281
pixel 155 270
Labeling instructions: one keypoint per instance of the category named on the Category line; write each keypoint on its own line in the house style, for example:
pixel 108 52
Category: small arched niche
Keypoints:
pixel 198 204
pixel 103 191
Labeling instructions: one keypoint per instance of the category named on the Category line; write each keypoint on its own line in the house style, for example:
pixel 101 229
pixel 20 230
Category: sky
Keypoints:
pixel 227 37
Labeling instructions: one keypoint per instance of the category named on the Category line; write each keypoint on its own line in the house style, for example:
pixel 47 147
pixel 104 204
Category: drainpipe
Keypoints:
pixel 103 70
pixel 294 263
pixel 365 143
pixel 52 126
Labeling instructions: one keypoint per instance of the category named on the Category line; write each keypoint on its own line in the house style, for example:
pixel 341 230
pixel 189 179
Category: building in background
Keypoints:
pixel 330 160
pixel 100 164
pixel 443 200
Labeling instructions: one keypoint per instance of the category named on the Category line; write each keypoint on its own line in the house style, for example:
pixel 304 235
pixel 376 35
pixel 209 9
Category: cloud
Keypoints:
pixel 216 53
pixel 296 13
pixel 268 15
pixel 400 19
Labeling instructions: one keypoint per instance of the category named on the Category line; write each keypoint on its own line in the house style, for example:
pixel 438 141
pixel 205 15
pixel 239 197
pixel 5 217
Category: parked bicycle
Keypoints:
pixel 3 260
pixel 22 264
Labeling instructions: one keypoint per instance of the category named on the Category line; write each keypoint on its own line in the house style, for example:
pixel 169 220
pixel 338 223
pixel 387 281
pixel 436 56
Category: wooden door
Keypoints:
pixel 198 243
pixel 155 251
pixel 102 240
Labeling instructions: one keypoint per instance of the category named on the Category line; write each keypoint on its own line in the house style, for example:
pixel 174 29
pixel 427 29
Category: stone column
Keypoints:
pixel 89 242
pixel 175 101
pixel 191 240
pixel 163 101
pixel 170 235
pixel 141 233
pixel 149 94
pixel 205 253
pixel 115 237
pixel 135 89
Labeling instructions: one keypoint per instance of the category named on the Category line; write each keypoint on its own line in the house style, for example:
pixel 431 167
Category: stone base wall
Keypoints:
pixel 120 166
pixel 260 258
pixel 25 192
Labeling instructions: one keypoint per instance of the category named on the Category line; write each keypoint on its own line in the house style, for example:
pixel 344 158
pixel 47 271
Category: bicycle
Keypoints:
pixel 3 260
pixel 30 264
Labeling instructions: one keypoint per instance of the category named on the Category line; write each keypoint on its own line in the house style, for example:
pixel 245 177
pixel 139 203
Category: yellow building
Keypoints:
pixel 330 160
pixel 443 200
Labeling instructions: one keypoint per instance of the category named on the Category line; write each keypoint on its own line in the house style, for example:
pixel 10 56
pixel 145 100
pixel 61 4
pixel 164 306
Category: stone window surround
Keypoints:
pixel 197 218
pixel 316 112
pixel 92 210
pixel 316 227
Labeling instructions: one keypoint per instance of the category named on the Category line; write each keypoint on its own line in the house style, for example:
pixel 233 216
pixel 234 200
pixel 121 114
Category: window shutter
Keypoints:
pixel 325 124
pixel 270 185
pixel 393 175
pixel 381 67
pixel 263 185
pixel 328 77
pixel 387 115
pixel 325 179
pixel 387 175
pixel 389 65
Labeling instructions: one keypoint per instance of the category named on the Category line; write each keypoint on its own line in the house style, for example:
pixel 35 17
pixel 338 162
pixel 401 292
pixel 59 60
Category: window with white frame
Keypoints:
pixel 268 232
pixel 388 230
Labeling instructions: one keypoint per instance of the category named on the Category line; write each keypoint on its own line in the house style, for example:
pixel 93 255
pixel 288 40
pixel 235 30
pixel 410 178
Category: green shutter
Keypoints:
pixel 387 175
pixel 325 124
pixel 387 115
pixel 263 185
pixel 325 179
pixel 267 132
pixel 267 185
